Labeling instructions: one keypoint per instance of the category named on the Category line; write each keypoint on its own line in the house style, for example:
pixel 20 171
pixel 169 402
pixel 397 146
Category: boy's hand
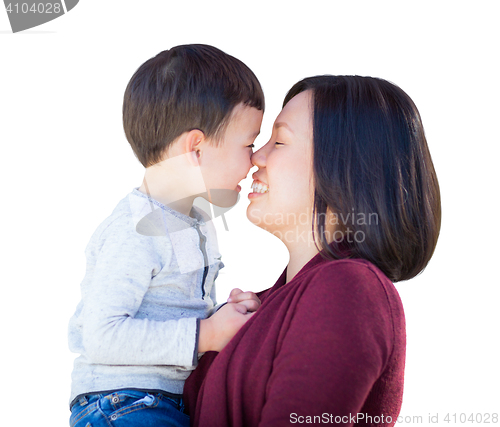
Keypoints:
pixel 248 299
pixel 217 330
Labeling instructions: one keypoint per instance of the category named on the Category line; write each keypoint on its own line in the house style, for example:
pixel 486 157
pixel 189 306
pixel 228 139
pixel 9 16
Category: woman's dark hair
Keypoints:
pixel 373 173
pixel 187 87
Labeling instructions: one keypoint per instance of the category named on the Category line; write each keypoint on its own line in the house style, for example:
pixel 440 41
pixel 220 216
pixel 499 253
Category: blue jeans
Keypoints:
pixel 128 408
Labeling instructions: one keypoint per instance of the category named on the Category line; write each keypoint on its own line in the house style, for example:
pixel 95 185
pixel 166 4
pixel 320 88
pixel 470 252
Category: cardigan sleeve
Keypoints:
pixel 337 343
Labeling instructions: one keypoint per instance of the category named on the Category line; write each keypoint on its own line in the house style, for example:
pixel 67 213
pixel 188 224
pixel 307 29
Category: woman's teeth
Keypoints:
pixel 258 187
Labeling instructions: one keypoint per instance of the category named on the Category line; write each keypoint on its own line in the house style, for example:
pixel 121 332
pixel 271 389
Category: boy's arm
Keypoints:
pixel 248 299
pixel 217 330
pixel 112 334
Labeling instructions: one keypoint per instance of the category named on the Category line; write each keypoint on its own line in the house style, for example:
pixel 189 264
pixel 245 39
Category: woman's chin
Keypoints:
pixel 255 215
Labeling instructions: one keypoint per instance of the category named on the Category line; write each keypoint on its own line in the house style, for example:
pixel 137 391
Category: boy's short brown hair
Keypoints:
pixel 184 88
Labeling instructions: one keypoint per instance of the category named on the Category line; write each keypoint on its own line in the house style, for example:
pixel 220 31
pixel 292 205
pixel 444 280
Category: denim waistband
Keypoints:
pixel 107 392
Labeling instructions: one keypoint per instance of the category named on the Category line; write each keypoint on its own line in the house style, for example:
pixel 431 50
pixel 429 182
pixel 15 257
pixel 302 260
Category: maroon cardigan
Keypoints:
pixel 330 343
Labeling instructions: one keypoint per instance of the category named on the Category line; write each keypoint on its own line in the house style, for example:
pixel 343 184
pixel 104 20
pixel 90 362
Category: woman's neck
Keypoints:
pixel 300 255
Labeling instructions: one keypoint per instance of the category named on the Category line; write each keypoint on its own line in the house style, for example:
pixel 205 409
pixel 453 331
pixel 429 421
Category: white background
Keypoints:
pixel 65 163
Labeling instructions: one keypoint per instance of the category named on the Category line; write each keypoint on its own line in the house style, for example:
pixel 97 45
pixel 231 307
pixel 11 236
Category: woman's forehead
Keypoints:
pixel 296 115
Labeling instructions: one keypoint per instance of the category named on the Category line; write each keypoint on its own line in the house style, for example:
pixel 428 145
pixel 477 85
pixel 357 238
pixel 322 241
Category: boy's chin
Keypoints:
pixel 222 198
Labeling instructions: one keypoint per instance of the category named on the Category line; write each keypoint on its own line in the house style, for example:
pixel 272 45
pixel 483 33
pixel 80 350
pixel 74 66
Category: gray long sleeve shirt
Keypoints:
pixel 150 278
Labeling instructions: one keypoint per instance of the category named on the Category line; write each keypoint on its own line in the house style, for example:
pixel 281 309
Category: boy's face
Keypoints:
pixel 225 165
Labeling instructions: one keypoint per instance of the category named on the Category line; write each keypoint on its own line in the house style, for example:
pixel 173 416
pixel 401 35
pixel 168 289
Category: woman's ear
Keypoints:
pixel 193 145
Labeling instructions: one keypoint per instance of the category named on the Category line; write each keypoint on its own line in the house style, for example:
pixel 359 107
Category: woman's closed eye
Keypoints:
pixel 251 146
pixel 278 143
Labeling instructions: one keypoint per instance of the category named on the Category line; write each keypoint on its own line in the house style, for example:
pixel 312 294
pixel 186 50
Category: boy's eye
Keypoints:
pixel 278 143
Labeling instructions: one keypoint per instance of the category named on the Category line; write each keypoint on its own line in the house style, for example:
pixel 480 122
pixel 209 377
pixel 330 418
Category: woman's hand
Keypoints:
pixel 248 299
pixel 217 330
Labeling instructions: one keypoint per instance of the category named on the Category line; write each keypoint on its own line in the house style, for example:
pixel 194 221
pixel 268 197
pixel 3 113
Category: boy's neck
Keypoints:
pixel 174 182
pixel 184 205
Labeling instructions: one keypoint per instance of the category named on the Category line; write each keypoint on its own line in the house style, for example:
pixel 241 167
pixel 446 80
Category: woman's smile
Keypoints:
pixel 258 188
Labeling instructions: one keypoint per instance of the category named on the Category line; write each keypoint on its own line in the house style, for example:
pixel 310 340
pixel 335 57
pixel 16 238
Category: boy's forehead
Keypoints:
pixel 242 108
pixel 248 117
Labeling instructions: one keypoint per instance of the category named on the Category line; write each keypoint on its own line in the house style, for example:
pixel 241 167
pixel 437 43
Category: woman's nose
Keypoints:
pixel 259 157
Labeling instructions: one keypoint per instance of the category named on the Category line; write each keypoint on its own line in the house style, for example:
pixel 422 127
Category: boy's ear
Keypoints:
pixel 193 144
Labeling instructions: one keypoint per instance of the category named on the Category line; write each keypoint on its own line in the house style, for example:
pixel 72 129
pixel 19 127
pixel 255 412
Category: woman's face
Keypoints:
pixel 282 191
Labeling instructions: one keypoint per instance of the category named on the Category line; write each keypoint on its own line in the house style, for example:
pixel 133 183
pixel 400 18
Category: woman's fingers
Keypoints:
pixel 248 299
pixel 241 308
pixel 234 293
pixel 250 305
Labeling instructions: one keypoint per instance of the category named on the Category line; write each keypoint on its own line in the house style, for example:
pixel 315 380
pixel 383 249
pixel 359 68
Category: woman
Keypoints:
pixel 347 183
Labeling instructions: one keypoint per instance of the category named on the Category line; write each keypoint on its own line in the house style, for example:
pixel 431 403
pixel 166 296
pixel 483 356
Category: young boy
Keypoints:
pixel 191 115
